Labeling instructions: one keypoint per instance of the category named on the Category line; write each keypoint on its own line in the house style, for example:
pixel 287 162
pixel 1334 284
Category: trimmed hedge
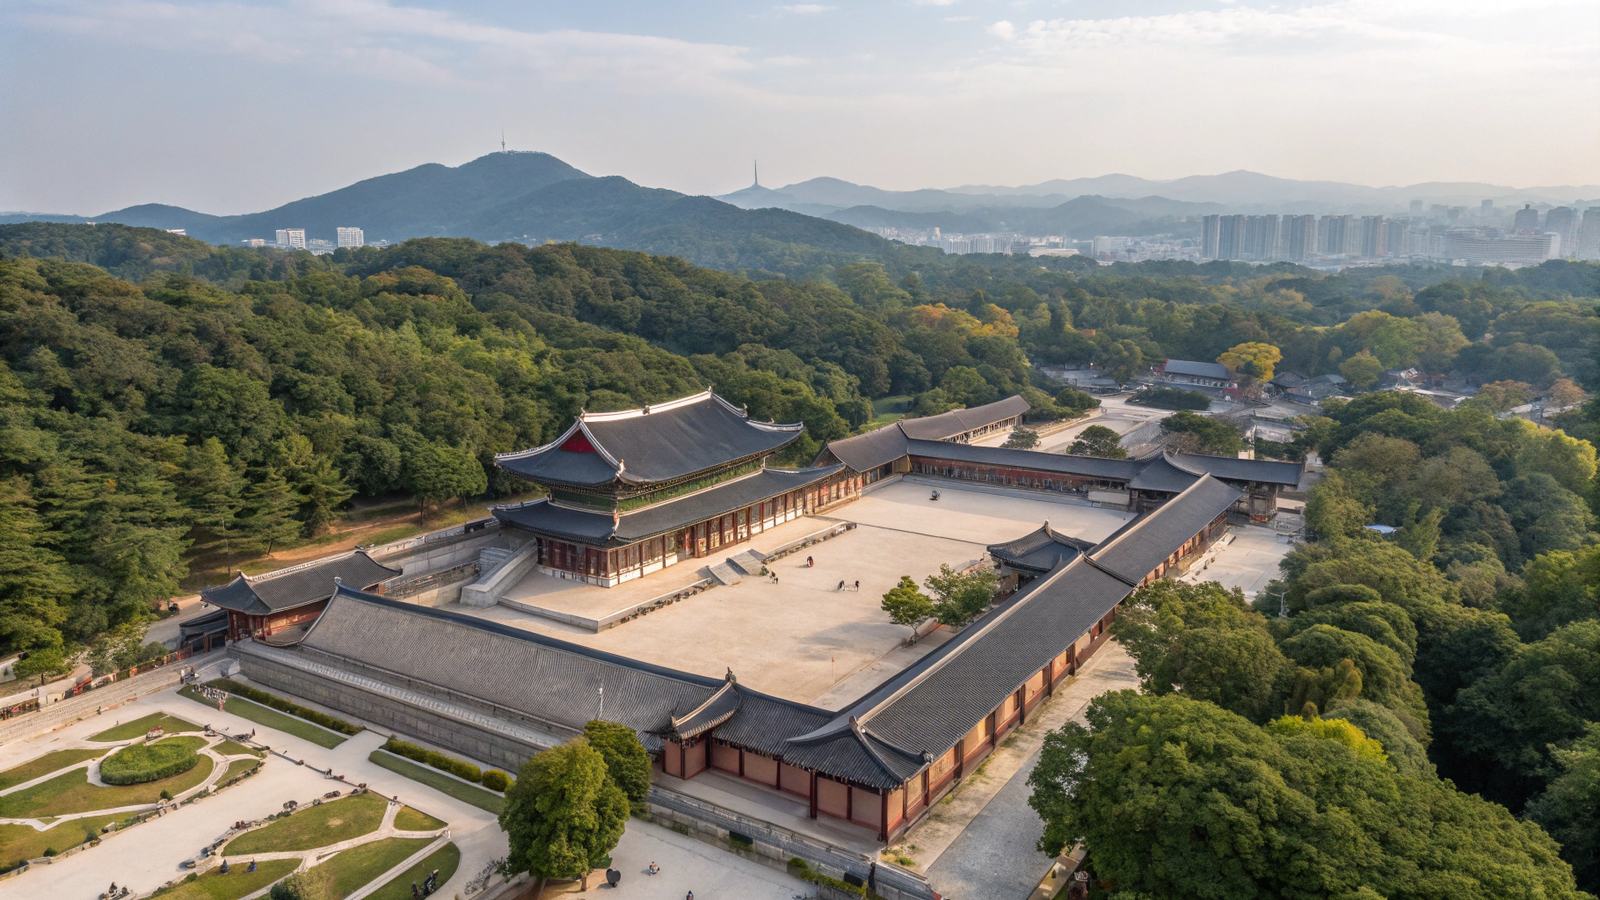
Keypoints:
pixel 800 869
pixel 284 706
pixel 144 763
pixel 496 780
pixel 1171 398
pixel 459 768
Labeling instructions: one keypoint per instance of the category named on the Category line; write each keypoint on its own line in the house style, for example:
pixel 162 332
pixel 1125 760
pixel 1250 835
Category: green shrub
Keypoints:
pixel 496 780
pixel 142 763
pixel 1171 398
pixel 457 767
pixel 284 706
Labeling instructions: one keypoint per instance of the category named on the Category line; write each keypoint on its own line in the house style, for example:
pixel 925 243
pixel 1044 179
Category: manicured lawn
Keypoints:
pixel 234 748
pixel 466 793
pixel 237 767
pixel 138 727
pixel 409 819
pixel 271 718
pixel 445 859
pixel 44 765
pixel 216 886
pixel 354 868
pixel 319 826
pixel 19 842
pixel 72 793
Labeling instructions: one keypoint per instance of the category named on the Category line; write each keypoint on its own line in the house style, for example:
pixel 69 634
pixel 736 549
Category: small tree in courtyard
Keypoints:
pixel 958 597
pixel 627 762
pixel 563 815
pixel 1022 439
pixel 1098 440
pixel 905 604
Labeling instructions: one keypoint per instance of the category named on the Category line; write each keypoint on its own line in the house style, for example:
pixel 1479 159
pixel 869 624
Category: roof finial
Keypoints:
pixel 729 677
pixel 338 580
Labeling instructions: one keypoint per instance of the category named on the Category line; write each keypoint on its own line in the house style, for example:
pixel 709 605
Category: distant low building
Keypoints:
pixel 1315 390
pixel 1188 371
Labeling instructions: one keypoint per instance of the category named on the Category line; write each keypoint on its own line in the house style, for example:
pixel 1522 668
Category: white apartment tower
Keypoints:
pixel 294 238
pixel 351 237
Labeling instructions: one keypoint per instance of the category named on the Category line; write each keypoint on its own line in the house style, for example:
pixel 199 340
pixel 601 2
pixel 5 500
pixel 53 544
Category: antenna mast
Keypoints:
pixel 756 164
pixel 502 139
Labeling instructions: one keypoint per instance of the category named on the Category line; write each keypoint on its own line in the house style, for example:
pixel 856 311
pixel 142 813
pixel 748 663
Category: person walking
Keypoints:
pixel 858 584
pixel 810 562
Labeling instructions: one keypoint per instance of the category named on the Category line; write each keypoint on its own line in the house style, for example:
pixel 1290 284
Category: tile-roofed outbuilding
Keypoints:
pixel 1231 468
pixel 660 442
pixel 867 451
pixel 1195 369
pixel 599 528
pixel 1137 548
pixel 1039 551
pixel 290 588
pixel 1081 466
pixel 956 422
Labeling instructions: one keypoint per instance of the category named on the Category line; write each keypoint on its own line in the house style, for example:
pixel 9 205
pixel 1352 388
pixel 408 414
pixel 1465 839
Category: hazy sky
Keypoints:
pixel 230 106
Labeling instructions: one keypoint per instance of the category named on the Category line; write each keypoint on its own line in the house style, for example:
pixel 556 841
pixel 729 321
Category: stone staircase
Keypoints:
pixel 490 558
pixel 721 573
pixel 749 562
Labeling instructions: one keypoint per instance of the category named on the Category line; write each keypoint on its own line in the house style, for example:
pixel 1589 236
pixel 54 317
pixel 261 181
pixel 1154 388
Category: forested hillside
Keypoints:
pixel 159 391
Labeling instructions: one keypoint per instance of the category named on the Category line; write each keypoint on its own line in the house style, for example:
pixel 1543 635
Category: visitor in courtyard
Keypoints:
pixel 653 868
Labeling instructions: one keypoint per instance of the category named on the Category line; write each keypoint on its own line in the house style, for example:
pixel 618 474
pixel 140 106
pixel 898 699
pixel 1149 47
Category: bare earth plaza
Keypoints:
pixel 670 579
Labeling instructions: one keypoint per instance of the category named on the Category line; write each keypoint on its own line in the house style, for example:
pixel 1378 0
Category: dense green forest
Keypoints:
pixel 1466 646
pixel 157 393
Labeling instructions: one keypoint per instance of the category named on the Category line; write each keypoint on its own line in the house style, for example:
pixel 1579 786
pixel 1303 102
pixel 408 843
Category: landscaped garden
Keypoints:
pixel 71 792
pixel 330 823
pixel 439 781
pixel 353 868
pixel 271 718
pixel 144 763
pixel 138 728
pixel 44 765
pixel 238 882
pixel 445 859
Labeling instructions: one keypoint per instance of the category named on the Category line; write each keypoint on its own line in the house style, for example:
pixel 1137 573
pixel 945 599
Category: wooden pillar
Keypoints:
pixel 961 758
pixel 1022 705
pixel 849 803
pixel 683 761
pixel 813 794
pixel 883 816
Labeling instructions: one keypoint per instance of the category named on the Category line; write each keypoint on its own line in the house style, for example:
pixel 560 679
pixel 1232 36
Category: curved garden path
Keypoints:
pixel 219 768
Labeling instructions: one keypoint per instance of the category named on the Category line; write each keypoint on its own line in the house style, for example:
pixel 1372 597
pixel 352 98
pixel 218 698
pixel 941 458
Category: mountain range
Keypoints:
pixel 1241 192
pixel 534 197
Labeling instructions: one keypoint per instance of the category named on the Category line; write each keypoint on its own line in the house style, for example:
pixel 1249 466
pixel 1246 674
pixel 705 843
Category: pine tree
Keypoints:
pixel 269 507
pixel 211 488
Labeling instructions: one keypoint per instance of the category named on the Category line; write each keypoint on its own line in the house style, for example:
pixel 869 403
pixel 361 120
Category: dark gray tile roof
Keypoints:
pixel 1161 475
pixel 1230 468
pixel 277 591
pixel 960 421
pixel 870 450
pixel 1195 368
pixel 929 706
pixel 542 677
pixel 1137 548
pixel 597 528
pixel 1082 466
pixel 715 710
pixel 654 443
pixel 1039 551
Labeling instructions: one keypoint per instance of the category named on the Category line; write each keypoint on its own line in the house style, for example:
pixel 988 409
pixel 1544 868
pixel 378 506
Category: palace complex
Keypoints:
pixel 636 491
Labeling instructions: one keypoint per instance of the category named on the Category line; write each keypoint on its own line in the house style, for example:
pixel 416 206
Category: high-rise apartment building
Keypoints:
pixel 351 237
pixel 1526 219
pixel 1589 242
pixel 1261 237
pixel 1372 236
pixel 1210 236
pixel 1486 209
pixel 1394 238
pixel 1340 235
pixel 1416 209
pixel 1299 237
pixel 292 237
pixel 1563 220
pixel 1231 241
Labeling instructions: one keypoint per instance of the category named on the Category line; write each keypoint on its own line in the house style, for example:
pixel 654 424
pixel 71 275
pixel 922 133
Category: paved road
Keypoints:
pixel 995 859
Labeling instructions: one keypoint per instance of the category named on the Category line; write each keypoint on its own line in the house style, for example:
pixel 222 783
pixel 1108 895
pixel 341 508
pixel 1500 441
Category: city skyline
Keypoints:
pixel 898 96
